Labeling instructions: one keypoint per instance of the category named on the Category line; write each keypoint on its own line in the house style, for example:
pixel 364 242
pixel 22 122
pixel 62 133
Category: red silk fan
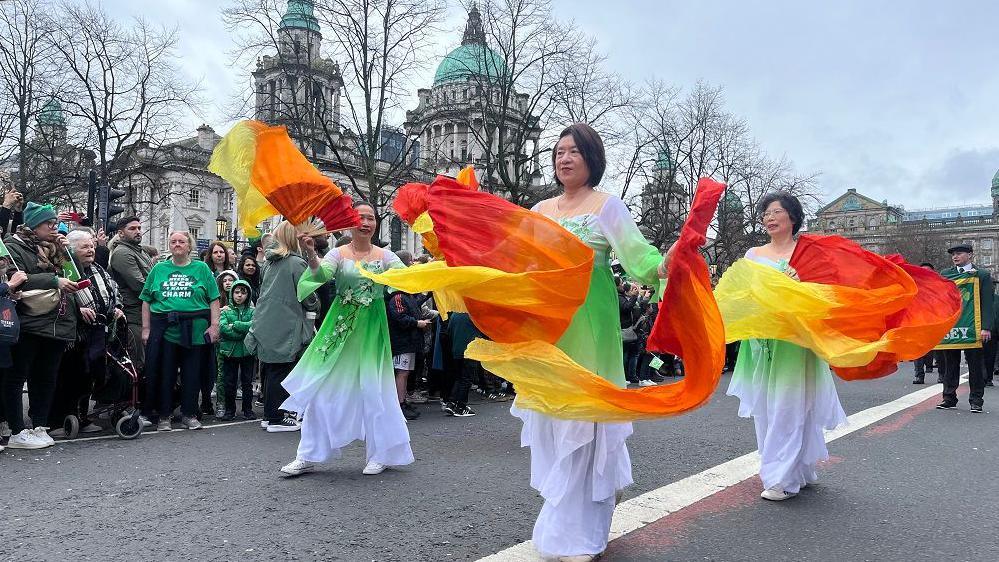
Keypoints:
pixel 339 214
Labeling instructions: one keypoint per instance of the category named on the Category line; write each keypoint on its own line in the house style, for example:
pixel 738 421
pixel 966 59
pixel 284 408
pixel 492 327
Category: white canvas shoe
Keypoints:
pixel 776 494
pixel 374 468
pixel 297 467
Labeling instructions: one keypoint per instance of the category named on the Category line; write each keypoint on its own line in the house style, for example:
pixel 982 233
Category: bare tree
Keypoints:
pixel 123 90
pixel 917 242
pixel 383 46
pixel 24 55
pixel 674 140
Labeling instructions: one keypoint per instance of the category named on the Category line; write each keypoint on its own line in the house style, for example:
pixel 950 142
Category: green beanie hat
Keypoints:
pixel 35 214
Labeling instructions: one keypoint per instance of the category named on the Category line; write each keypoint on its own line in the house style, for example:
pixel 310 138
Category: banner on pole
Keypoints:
pixel 967 333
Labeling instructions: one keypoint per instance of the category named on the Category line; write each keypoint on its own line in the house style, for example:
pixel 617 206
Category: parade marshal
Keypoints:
pixel 973 328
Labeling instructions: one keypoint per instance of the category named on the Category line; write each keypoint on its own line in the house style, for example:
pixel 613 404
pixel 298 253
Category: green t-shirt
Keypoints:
pixel 189 288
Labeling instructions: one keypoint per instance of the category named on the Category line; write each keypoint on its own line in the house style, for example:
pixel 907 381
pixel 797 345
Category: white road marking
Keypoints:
pixel 652 506
pixel 150 433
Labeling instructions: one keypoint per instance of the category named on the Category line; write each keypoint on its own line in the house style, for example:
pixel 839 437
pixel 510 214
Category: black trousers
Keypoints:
pixel 952 375
pixel 273 374
pixel 459 393
pixel 989 353
pixel 238 370
pixel 36 361
pixel 159 388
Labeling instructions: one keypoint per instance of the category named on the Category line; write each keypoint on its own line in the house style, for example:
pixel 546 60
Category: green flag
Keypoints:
pixel 4 252
pixel 69 269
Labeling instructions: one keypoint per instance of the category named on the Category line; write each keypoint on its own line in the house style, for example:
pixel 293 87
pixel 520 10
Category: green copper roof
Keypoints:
pixel 51 114
pixel 732 202
pixel 300 15
pixel 995 185
pixel 473 60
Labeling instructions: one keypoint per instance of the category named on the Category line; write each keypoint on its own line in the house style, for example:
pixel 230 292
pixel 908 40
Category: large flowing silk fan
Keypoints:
pixel 339 214
pixel 270 176
pixel 289 182
pixel 861 312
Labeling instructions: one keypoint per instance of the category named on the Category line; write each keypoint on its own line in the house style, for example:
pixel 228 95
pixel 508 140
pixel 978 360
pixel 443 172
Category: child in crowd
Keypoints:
pixel 238 364
pixel 225 280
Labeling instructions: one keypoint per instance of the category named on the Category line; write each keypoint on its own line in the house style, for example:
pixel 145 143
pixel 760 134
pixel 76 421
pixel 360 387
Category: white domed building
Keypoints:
pixel 456 118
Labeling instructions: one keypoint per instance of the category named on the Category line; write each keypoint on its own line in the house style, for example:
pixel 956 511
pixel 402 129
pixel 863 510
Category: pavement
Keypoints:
pixel 914 486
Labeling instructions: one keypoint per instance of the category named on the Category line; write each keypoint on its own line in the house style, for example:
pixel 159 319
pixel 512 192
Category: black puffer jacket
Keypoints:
pixel 403 314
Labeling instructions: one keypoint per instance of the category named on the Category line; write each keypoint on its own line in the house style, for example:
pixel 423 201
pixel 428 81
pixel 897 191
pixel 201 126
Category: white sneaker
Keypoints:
pixel 297 467
pixel 42 433
pixel 191 423
pixel 164 425
pixel 646 382
pixel 578 558
pixel 58 432
pixel 4 430
pixel 776 494
pixel 374 468
pixel 264 424
pixel 26 440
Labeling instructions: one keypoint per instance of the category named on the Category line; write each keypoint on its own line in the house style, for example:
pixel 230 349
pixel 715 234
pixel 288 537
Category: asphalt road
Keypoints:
pixel 914 486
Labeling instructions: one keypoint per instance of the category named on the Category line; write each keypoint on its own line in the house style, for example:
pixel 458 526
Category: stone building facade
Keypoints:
pixel 885 228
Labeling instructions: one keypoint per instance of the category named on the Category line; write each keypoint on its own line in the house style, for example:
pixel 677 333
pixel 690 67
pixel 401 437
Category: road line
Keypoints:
pixel 149 433
pixel 651 506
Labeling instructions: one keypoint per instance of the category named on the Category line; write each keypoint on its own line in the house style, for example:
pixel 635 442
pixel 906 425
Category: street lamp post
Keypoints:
pixel 221 227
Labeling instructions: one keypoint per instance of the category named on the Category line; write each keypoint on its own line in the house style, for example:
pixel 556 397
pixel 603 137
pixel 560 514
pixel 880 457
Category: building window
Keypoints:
pixel 194 197
pixel 986 260
pixel 195 233
pixel 986 243
pixel 229 201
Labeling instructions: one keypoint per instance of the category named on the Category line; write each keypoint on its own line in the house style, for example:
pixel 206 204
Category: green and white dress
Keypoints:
pixel 578 466
pixel 344 384
pixel 790 394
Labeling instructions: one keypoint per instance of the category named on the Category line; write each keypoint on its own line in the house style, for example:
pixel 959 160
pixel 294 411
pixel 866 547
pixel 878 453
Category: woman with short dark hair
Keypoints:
pixel 785 388
pixel 578 466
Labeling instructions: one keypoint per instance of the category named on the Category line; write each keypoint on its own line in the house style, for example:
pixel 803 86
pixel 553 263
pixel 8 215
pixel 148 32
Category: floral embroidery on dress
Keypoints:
pixel 351 300
pixel 578 227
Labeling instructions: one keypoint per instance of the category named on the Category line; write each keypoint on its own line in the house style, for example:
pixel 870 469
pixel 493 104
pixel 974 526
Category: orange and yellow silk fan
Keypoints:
pixel 270 176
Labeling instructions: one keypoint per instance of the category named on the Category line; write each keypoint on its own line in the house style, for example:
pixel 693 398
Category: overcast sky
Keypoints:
pixel 899 99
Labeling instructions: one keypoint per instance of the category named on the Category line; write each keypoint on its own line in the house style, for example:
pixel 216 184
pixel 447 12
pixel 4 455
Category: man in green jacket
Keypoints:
pixel 237 362
pixel 130 265
pixel 961 255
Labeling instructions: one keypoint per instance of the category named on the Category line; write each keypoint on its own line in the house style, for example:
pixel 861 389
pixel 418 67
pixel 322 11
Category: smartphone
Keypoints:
pixel 83 284
pixel 208 339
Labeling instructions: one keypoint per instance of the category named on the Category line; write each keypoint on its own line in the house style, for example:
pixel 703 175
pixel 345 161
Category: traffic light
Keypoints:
pixel 108 208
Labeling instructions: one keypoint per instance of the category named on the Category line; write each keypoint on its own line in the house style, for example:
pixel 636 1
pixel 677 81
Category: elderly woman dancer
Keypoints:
pixel 345 384
pixel 787 389
pixel 579 466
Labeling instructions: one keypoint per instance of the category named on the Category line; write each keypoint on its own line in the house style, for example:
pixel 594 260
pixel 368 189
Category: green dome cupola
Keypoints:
pixel 473 59
pixel 52 114
pixel 301 15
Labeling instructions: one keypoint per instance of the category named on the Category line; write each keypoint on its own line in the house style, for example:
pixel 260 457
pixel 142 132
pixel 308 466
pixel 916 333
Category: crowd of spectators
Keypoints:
pixel 208 331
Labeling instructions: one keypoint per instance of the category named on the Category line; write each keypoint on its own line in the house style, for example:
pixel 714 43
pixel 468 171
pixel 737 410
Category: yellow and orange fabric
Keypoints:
pixel 861 312
pixel 270 176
